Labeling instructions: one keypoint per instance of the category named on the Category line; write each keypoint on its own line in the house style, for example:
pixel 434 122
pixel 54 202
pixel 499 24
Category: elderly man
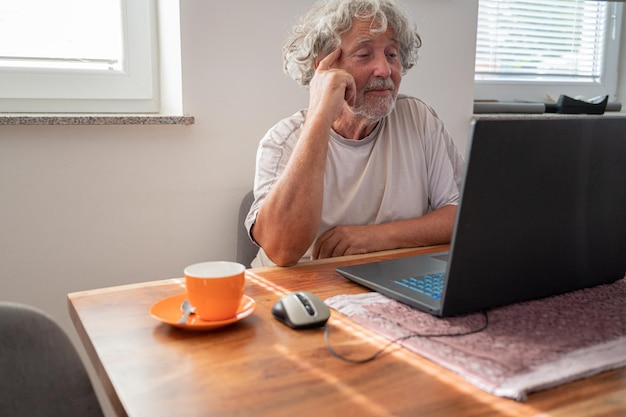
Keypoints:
pixel 363 168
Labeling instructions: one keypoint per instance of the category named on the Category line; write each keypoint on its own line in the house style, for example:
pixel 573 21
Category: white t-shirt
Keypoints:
pixel 407 167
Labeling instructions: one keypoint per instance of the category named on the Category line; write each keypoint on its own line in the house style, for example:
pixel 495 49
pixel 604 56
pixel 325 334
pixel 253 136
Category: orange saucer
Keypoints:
pixel 168 311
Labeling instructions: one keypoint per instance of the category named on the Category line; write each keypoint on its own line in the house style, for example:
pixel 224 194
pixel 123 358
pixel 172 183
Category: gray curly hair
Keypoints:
pixel 319 32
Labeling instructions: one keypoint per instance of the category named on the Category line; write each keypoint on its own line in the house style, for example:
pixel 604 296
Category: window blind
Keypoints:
pixel 522 39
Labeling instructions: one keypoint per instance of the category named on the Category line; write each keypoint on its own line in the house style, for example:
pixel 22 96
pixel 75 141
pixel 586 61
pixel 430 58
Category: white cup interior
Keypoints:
pixel 216 269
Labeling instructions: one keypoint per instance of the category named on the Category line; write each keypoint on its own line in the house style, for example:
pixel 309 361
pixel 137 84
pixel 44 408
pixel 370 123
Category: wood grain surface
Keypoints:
pixel 259 367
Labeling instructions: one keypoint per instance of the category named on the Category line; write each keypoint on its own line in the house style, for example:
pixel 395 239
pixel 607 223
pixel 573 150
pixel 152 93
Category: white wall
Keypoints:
pixel 85 207
pixel 621 79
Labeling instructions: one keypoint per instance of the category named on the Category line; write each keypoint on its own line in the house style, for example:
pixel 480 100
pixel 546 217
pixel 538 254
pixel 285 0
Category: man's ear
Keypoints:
pixel 316 63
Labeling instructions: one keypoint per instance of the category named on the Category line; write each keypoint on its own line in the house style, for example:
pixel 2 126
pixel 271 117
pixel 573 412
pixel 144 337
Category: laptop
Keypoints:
pixel 542 212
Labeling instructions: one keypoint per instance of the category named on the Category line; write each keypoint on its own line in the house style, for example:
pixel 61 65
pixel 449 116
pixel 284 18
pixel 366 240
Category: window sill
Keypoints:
pixel 531 116
pixel 93 119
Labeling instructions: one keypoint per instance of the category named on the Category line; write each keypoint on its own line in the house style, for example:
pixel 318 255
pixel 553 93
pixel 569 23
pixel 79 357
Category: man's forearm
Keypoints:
pixel 288 221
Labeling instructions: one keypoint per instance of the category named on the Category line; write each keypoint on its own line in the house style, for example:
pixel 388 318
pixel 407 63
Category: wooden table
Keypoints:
pixel 259 367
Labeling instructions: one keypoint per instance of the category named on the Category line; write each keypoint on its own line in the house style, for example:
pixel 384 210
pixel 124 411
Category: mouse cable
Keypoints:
pixel 399 339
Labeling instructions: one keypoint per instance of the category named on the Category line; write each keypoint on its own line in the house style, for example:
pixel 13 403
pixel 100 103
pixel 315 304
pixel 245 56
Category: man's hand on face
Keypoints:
pixel 330 88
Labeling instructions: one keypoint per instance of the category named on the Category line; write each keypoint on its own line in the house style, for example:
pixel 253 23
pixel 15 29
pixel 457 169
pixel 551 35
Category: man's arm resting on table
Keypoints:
pixel 288 220
pixel 430 229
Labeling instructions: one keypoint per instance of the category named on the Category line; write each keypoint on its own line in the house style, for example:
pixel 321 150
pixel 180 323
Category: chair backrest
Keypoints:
pixel 41 373
pixel 246 249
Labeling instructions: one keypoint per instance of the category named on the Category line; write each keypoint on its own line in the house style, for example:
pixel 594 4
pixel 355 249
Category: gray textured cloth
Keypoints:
pixel 526 347
pixel 41 373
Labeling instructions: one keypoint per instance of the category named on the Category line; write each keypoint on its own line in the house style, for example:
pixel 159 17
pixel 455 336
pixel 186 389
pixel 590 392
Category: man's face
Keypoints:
pixel 374 62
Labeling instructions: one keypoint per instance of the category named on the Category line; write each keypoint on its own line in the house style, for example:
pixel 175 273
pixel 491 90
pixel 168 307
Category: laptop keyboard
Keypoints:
pixel 430 285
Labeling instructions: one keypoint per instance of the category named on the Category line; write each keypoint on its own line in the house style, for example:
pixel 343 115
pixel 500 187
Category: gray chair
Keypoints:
pixel 41 374
pixel 246 249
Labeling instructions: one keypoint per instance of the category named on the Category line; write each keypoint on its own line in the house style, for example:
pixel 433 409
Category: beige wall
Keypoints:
pixel 91 206
pixel 85 207
pixel 621 78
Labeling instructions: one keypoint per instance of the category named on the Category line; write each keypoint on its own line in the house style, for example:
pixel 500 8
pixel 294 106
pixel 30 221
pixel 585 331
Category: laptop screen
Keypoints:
pixel 543 208
pixel 542 212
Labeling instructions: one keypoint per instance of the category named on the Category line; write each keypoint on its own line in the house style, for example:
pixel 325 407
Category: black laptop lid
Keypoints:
pixel 543 211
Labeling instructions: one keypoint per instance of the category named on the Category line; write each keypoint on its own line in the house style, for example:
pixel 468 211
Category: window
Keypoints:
pixel 78 56
pixel 536 49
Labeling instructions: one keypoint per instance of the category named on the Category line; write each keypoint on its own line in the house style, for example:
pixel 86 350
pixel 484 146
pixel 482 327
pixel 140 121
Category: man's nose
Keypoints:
pixel 382 66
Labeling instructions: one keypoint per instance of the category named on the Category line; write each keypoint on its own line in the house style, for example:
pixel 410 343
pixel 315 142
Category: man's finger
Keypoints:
pixel 350 93
pixel 329 60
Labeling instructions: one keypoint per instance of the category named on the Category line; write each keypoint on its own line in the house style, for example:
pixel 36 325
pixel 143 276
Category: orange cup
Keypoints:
pixel 215 289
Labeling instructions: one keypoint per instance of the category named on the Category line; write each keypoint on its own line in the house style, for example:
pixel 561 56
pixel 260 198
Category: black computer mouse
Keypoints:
pixel 301 310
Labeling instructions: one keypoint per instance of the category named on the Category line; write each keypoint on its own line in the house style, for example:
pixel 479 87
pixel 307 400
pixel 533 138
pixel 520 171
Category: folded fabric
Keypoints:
pixel 526 347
